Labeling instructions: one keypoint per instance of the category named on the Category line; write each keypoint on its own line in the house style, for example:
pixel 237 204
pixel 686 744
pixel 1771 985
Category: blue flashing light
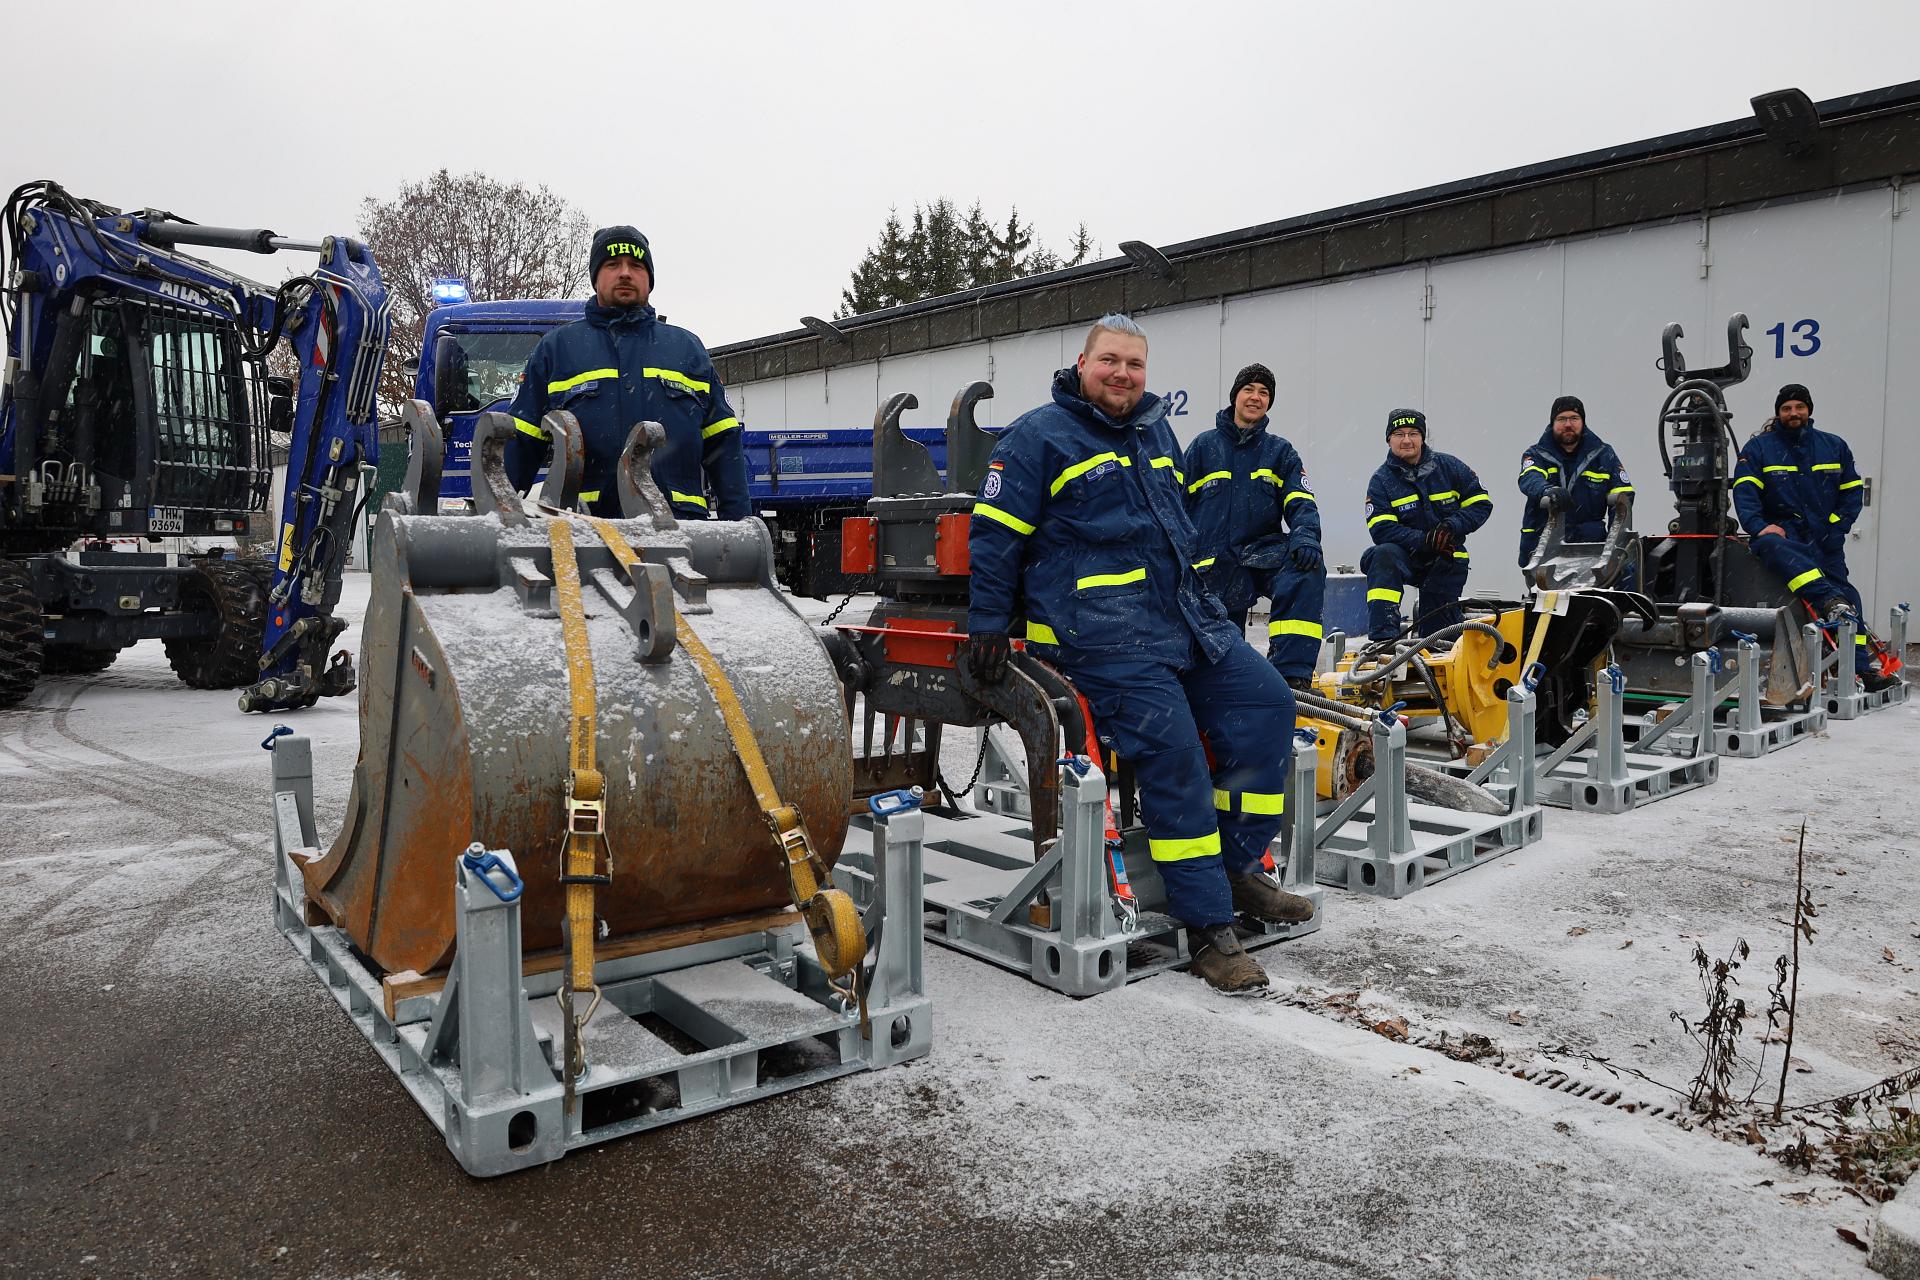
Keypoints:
pixel 448 290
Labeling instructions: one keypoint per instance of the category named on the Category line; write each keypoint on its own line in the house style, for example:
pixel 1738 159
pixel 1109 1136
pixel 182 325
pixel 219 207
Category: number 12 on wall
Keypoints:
pixel 1806 335
pixel 1176 403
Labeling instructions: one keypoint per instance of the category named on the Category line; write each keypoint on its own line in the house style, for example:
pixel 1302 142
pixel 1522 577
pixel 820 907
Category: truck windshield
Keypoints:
pixel 472 370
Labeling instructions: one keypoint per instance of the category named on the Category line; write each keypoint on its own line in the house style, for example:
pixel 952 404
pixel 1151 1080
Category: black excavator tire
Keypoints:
pixel 22 634
pixel 236 591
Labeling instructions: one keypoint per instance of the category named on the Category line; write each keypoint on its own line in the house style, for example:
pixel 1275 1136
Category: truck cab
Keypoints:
pixel 472 355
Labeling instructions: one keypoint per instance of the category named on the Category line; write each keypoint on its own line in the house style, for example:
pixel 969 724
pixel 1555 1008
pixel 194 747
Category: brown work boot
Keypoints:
pixel 1264 900
pixel 1222 961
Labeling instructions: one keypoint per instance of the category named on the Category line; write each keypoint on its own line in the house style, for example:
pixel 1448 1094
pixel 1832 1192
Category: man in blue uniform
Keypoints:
pixel 622 364
pixel 1569 469
pixel 1797 494
pixel 1081 528
pixel 1421 506
pixel 1258 526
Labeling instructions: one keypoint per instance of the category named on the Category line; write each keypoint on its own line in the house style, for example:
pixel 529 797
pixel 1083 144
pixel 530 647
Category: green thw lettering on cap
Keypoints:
pixel 630 250
pixel 1406 422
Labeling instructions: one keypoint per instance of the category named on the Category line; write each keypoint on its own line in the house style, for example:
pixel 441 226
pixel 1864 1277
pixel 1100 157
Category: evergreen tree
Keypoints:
pixel 946 252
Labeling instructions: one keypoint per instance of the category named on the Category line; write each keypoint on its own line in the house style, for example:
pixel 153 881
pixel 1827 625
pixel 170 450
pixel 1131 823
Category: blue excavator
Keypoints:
pixel 137 405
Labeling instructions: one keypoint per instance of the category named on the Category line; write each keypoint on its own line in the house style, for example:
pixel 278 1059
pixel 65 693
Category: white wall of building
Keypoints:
pixel 1484 344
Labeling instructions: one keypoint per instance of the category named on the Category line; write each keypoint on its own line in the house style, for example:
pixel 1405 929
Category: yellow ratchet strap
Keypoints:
pixel 586 799
pixel 831 917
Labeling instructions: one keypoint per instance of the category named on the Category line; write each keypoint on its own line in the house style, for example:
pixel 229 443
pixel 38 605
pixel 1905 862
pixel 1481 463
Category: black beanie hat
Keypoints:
pixel 1793 391
pixel 615 242
pixel 1251 374
pixel 1407 418
pixel 1564 403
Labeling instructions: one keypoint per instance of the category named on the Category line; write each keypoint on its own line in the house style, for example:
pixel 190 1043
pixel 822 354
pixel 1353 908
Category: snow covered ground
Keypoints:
pixel 183 1098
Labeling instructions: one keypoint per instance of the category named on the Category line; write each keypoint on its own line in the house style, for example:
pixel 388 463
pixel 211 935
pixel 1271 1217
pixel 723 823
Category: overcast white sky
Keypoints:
pixel 760 145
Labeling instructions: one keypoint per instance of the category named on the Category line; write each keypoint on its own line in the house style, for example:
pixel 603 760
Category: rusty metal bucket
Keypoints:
pixel 464 727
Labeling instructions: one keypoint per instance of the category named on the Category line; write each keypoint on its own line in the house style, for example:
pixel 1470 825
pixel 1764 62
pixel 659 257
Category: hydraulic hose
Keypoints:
pixel 1376 674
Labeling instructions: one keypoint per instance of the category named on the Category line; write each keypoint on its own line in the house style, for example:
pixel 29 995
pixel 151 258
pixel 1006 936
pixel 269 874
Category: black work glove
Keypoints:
pixel 1306 556
pixel 1552 500
pixel 1440 539
pixel 987 655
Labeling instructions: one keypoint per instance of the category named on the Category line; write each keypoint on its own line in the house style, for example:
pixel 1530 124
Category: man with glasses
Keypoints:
pixel 1570 470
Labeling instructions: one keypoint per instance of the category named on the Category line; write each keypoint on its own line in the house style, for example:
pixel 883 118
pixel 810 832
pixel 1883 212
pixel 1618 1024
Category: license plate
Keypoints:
pixel 166 520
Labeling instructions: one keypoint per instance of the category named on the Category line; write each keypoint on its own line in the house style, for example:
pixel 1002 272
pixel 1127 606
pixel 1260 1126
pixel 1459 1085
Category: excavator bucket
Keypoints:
pixel 465 714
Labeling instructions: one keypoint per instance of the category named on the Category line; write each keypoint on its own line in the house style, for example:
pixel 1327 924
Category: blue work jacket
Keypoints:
pixel 1590 476
pixel 1802 480
pixel 1081 526
pixel 1405 501
pixel 1247 495
pixel 622 365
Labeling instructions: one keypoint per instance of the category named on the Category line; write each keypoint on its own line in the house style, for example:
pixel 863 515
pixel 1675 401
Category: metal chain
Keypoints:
pixel 848 599
pixel 979 763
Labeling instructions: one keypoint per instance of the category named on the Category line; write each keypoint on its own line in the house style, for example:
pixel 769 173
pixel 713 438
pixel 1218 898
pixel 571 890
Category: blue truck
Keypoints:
pixel 803 482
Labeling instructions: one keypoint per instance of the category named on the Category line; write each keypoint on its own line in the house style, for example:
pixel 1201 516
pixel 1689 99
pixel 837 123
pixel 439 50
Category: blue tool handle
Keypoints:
pixel 279 731
pixel 888 803
pixel 1391 715
pixel 1079 764
pixel 484 865
pixel 1617 678
pixel 1535 674
pixel 1746 637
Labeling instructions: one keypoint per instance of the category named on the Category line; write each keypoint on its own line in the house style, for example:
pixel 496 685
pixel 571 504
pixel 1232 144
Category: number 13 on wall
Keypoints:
pixel 1806 335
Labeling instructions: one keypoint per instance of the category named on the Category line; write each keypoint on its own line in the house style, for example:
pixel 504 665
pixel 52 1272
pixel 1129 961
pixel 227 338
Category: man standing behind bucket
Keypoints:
pixel 621 364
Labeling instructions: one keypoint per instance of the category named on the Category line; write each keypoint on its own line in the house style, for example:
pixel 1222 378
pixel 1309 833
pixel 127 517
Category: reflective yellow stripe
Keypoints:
pixel 675 376
pixel 1834 518
pixel 1621 488
pixel 591 496
pixel 1111 579
pixel 528 428
pixel 1598 475
pixel 591 375
pixel 1208 479
pixel 1295 627
pixel 1267 803
pixel 1386 516
pixel 1081 468
pixel 1266 473
pixel 1529 531
pixel 1858 638
pixel 1852 484
pixel 1443 495
pixel 1383 593
pixel 1201 564
pixel 1167 463
pixel 1826 466
pixel 1478 497
pixel 1401 502
pixel 713 429
pixel 1006 518
pixel 1811 575
pixel 1542 470
pixel 1223 800
pixel 1299 493
pixel 1041 633
pixel 1756 482
pixel 1206 846
pixel 1780 467
pixel 1459 555
pixel 676 496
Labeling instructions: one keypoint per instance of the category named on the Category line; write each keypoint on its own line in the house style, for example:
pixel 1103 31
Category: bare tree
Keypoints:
pixel 506 240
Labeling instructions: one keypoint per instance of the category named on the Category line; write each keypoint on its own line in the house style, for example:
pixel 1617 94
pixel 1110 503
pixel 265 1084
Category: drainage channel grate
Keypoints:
pixel 1565 1083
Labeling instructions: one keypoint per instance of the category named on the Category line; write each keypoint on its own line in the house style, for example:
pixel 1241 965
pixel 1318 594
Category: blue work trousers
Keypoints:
pixel 1294 630
pixel 1816 574
pixel 1201 823
pixel 1391 570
